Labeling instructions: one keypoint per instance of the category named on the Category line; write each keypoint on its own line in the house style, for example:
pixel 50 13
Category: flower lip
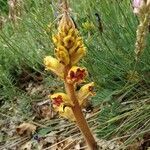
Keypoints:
pixel 57 100
pixel 77 75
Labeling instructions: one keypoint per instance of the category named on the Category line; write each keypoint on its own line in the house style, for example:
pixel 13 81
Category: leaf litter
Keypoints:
pixel 45 129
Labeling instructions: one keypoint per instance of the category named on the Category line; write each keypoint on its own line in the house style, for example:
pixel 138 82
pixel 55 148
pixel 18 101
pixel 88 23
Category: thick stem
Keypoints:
pixel 80 119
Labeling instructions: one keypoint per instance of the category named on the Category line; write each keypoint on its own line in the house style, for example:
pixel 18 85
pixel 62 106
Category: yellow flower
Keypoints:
pixel 84 92
pixel 66 112
pixel 59 98
pixel 69 41
pixel 62 104
pixel 76 75
pixel 77 44
pixel 81 52
pixel 73 32
pixel 62 55
pixel 54 65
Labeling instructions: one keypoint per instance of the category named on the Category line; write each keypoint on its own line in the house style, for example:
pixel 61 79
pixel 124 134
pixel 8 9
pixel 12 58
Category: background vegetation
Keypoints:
pixel 123 97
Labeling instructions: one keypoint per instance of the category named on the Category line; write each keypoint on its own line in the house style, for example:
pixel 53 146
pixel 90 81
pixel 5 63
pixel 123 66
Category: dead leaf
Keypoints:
pixel 46 112
pixel 31 145
pixel 25 129
pixel 43 110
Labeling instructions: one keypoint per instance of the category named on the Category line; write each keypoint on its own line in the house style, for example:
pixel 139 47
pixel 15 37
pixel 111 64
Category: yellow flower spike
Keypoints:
pixel 78 55
pixel 60 98
pixel 64 30
pixel 84 92
pixel 76 75
pixel 54 65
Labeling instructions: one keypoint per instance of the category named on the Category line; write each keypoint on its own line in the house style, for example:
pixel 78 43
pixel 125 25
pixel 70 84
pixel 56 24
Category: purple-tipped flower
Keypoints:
pixel 137 5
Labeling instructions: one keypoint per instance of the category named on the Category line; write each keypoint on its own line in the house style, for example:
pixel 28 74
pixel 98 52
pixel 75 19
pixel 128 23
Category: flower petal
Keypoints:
pixel 84 92
pixel 75 58
pixel 59 98
pixel 77 44
pixel 54 65
pixel 76 74
pixel 62 55
pixel 69 41
pixel 67 113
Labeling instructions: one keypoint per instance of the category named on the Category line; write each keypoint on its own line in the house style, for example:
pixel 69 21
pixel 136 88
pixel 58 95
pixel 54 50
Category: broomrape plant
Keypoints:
pixel 69 51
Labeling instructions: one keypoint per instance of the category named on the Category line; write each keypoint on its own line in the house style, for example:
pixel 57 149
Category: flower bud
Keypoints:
pixel 66 23
pixel 54 65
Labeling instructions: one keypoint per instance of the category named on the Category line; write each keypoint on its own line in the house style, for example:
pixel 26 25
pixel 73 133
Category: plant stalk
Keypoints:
pixel 80 119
